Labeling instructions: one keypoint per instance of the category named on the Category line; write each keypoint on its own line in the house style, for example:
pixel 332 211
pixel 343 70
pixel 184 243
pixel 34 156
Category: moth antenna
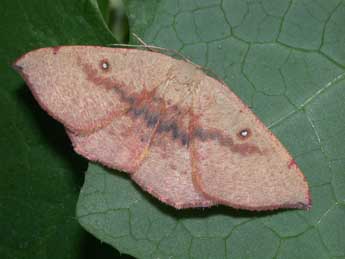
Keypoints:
pixel 166 50
pixel 139 39
pixel 152 48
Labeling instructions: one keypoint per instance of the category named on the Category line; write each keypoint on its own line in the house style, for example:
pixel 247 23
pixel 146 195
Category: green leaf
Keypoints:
pixel 286 60
pixel 40 175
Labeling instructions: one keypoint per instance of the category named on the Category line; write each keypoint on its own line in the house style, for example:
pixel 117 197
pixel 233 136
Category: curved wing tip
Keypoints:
pixel 17 67
pixel 16 64
pixel 309 203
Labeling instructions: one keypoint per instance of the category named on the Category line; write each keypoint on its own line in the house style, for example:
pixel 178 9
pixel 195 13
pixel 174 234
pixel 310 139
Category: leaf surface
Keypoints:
pixel 286 61
pixel 40 175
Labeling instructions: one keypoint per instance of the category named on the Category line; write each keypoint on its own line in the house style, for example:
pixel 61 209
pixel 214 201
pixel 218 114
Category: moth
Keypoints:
pixel 180 134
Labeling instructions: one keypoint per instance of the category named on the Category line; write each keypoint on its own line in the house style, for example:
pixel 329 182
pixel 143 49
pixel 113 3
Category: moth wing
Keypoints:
pixel 158 162
pixel 166 169
pixel 73 86
pixel 110 101
pixel 118 145
pixel 57 82
pixel 236 160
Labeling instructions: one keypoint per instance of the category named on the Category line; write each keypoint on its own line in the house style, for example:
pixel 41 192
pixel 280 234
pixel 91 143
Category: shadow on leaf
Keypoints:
pixel 53 135
pixel 193 212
